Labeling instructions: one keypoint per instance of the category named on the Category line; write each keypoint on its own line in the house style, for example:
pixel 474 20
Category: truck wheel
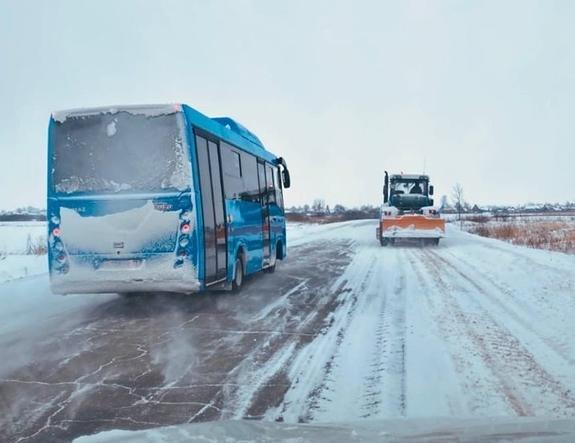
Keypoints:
pixel 384 241
pixel 238 280
pixel 436 241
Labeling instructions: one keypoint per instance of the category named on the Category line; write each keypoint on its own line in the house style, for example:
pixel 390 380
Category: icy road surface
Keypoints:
pixel 345 330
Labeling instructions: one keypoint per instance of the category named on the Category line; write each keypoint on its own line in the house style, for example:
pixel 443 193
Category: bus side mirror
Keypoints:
pixel 285 172
pixel 286 178
pixel 431 190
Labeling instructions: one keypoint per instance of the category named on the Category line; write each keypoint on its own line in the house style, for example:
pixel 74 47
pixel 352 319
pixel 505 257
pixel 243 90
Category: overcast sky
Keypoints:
pixel 482 92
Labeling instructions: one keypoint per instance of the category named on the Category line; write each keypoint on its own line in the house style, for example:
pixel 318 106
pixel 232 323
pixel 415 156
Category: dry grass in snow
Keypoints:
pixel 36 246
pixel 554 235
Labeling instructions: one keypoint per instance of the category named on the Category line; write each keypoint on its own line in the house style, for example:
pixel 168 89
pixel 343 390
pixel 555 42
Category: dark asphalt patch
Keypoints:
pixel 156 359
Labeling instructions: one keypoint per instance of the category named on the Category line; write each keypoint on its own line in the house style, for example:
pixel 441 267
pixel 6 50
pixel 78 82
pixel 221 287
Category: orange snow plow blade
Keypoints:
pixel 412 226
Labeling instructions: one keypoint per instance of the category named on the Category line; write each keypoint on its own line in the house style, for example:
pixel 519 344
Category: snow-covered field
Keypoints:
pixel 344 331
pixel 15 239
pixel 552 232
pixel 14 235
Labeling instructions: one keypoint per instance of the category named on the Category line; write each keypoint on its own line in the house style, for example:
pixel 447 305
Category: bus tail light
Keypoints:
pixel 56 232
pixel 184 241
pixel 60 262
pixel 63 268
pixel 185 228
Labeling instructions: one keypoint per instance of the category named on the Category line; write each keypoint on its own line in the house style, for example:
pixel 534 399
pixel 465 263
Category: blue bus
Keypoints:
pixel 160 198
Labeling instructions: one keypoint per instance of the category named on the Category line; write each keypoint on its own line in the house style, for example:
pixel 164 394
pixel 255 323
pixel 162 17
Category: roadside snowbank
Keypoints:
pixel 519 429
pixel 13 267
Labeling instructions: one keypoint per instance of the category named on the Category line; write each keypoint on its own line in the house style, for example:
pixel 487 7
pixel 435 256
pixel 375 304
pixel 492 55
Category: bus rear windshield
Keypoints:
pixel 108 153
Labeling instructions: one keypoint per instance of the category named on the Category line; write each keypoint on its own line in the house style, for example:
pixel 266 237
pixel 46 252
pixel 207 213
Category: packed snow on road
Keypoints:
pixel 342 332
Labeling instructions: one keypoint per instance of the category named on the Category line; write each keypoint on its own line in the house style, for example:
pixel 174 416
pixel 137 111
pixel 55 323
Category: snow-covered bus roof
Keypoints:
pixel 229 131
pixel 409 177
pixel 146 110
pixel 225 128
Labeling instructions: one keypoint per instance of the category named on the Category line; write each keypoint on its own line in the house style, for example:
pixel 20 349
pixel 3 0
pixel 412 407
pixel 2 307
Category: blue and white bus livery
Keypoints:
pixel 160 198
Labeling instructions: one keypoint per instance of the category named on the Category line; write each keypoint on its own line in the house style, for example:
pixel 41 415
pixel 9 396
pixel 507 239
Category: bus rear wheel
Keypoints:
pixel 238 280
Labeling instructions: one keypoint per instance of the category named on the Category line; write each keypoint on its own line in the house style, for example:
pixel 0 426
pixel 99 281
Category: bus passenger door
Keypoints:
pixel 265 214
pixel 275 211
pixel 215 255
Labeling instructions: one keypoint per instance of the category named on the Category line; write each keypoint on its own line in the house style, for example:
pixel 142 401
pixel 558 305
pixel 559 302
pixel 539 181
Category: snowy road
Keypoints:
pixel 344 330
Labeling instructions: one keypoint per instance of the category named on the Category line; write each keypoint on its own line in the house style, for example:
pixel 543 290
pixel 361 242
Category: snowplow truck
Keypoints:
pixel 408 212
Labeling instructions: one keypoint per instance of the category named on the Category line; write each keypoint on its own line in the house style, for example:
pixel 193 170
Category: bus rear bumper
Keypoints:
pixel 157 275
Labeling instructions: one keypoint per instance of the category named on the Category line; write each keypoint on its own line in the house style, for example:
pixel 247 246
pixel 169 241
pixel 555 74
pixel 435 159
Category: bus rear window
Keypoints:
pixel 118 152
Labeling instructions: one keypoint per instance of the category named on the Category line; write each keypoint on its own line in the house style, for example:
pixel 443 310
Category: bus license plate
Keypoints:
pixel 121 264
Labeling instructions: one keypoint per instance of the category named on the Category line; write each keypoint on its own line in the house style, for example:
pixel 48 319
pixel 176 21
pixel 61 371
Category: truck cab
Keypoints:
pixel 410 192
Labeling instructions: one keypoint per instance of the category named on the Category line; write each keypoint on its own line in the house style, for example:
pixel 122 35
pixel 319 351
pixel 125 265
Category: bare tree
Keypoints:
pixel 318 206
pixel 457 197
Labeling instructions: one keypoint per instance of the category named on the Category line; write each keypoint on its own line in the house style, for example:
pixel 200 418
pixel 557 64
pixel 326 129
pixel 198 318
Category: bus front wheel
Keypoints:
pixel 238 280
pixel 278 256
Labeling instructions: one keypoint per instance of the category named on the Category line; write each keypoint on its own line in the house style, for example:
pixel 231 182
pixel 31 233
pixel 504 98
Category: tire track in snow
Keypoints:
pixel 357 368
pixel 435 328
pixel 254 372
pixel 515 368
pixel 385 383
pixel 357 292
pixel 498 298
pixel 311 374
pixel 455 327
pixel 261 376
pixel 372 382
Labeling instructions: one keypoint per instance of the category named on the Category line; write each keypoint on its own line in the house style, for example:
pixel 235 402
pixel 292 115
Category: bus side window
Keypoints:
pixel 270 189
pixel 232 169
pixel 250 190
